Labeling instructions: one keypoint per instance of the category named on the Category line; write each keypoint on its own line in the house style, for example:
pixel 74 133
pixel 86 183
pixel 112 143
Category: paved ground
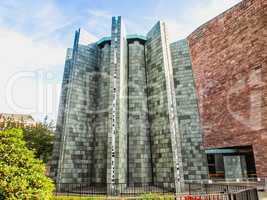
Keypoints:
pixel 263 195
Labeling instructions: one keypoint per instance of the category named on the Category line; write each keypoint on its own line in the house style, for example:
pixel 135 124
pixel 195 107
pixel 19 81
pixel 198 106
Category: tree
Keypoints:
pixel 39 138
pixel 21 175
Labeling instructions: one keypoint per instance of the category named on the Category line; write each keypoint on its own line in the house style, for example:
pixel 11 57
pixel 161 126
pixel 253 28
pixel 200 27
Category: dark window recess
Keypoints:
pixel 164 87
pixel 76 157
pixel 211 163
pixel 176 82
pixel 178 93
pixel 258 67
pixel 187 67
pixel 184 117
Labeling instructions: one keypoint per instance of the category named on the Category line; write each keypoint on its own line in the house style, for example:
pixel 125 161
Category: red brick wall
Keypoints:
pixel 229 57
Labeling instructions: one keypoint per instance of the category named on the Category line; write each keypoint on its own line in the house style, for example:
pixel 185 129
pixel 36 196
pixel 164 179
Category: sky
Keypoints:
pixel 34 35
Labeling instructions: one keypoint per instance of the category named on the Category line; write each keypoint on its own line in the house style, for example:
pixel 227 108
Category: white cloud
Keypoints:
pixel 20 53
pixel 192 16
pixel 99 22
pixel 202 11
pixel 100 13
pixel 176 30
pixel 32 43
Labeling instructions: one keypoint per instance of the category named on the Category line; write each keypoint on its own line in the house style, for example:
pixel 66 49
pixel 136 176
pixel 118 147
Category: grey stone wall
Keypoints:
pixel 102 111
pixel 139 154
pixel 76 160
pixel 161 145
pixel 76 146
pixel 129 113
pixel 193 155
pixel 61 114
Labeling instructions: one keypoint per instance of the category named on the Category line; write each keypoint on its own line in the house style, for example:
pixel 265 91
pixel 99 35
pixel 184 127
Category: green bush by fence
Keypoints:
pixel 22 176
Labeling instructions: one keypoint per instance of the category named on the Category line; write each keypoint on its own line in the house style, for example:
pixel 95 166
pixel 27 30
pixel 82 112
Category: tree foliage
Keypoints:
pixel 21 175
pixel 39 138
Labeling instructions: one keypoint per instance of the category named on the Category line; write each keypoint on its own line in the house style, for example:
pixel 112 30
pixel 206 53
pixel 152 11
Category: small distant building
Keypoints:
pixel 19 119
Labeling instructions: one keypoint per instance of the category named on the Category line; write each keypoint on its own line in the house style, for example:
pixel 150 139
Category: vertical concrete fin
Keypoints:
pixel 117 152
pixel 139 148
pixel 172 109
pixel 76 142
pixel 187 112
pixel 61 115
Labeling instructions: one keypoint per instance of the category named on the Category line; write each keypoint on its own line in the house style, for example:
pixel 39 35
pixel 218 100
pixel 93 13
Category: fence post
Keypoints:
pixel 256 193
pixel 189 187
pixel 229 196
pixel 234 196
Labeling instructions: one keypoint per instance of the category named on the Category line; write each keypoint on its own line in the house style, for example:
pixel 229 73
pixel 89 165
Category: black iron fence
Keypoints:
pixel 247 194
pixel 115 189
pixel 190 190
pixel 259 182
pixel 209 188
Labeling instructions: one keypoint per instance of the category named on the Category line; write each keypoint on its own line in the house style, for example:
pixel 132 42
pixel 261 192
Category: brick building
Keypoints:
pixel 229 59
pixel 20 120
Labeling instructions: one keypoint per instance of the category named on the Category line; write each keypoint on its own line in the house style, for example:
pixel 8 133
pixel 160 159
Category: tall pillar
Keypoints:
pixel 139 154
pixel 117 136
pixel 102 112
pixel 165 136
pixel 195 165
pixel 76 135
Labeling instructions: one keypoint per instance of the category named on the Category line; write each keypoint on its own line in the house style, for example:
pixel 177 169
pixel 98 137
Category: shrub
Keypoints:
pixel 21 175
pixel 155 196
pixel 38 137
pixel 77 198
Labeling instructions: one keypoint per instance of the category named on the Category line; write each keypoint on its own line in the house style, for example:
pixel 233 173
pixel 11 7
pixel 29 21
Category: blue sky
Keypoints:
pixel 34 35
